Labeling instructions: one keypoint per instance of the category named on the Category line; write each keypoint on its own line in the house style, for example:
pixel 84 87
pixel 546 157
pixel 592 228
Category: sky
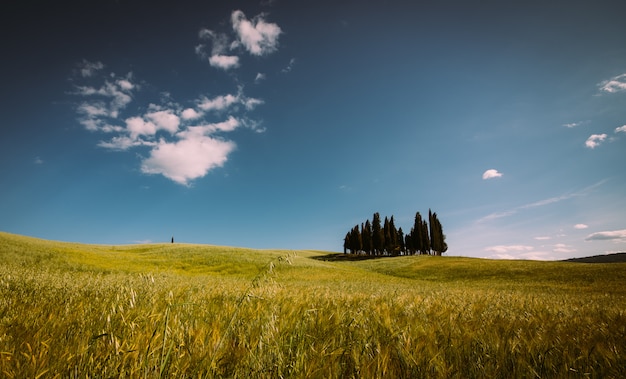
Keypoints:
pixel 282 124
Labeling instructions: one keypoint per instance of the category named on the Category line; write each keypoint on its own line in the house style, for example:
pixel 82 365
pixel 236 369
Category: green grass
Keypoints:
pixel 180 311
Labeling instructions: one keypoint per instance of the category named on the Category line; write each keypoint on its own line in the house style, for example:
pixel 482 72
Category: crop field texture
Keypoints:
pixel 196 311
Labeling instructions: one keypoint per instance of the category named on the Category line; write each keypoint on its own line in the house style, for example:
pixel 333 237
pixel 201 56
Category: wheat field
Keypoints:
pixel 196 311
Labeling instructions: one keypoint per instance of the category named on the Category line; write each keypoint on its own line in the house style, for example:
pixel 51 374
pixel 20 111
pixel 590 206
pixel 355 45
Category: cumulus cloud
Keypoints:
pixel 615 84
pixel 187 159
pixel 491 173
pixel 104 101
pixel 165 120
pixel 621 129
pixel 190 114
pixel 224 62
pixel 594 140
pixel 257 36
pixel 137 126
pixel 580 226
pixel 182 145
pixel 181 141
pixel 618 235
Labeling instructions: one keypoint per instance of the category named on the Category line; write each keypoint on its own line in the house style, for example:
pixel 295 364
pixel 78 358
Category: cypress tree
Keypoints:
pixel 387 234
pixel 400 239
pixel 417 234
pixel 366 236
pixel 377 235
pixel 355 239
pixel 393 237
pixel 408 242
pixel 438 239
pixel 425 249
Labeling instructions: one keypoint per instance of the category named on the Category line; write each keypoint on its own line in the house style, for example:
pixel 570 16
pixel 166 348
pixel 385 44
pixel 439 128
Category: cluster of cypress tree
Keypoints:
pixel 371 238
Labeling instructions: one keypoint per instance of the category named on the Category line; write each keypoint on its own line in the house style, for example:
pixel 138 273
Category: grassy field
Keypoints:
pixel 192 311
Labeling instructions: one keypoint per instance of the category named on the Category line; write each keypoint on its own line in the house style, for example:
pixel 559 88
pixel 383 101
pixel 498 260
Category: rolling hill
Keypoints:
pixel 184 310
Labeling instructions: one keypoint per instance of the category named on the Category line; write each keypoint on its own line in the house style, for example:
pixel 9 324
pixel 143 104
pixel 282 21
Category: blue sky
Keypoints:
pixel 282 124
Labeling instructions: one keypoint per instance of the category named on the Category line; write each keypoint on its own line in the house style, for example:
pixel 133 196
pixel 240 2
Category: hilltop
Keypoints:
pixel 193 260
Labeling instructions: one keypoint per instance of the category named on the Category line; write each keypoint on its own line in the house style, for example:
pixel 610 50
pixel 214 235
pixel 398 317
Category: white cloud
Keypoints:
pixel 88 69
pixel 124 143
pixel 224 62
pixel 218 103
pixel 95 109
pixel 505 249
pixel 137 126
pixel 615 84
pixel 563 248
pixel 490 174
pixel 517 252
pixel 289 67
pixel 205 130
pixel 177 142
pixel 165 120
pixel 187 159
pixel 580 226
pixel 621 129
pixel 257 36
pixel 219 41
pixel 572 124
pixel 594 140
pixel 259 77
pixel 251 103
pixel 607 235
pixel 117 94
pixel 540 203
pixel 543 238
pixel 190 114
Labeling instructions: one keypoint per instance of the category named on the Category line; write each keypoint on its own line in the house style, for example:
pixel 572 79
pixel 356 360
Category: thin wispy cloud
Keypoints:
pixel 259 78
pixel 290 65
pixel 613 85
pixel 615 235
pixel 88 69
pixel 181 143
pixel 540 203
pixel 503 249
pixel 563 248
pixel 517 252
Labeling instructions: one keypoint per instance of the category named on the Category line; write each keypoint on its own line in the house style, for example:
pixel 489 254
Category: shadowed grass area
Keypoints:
pixel 163 310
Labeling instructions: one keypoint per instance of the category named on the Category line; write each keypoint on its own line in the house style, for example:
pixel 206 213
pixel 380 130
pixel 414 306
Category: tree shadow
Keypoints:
pixel 339 257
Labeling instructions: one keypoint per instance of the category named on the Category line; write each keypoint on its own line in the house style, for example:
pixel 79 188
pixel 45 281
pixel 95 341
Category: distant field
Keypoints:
pixel 178 311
